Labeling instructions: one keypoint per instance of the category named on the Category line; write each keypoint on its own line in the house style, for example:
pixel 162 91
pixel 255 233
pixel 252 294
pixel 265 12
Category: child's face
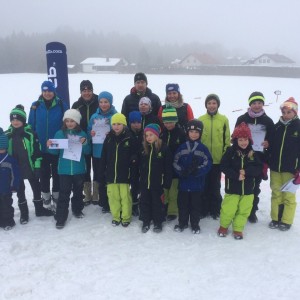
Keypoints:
pixel 48 95
pixel 212 106
pixel 70 123
pixel 172 96
pixel 16 123
pixel 104 105
pixel 243 142
pixel 117 128
pixel 194 135
pixel 144 108
pixel 287 114
pixel 136 126
pixel 256 106
pixel 150 137
pixel 170 125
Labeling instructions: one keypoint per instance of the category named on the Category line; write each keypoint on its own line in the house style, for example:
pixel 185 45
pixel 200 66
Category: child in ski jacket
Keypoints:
pixel 24 146
pixel 9 182
pixel 155 176
pixel 119 157
pixel 284 165
pixel 71 166
pixel 192 162
pixel 241 165
pixel 145 108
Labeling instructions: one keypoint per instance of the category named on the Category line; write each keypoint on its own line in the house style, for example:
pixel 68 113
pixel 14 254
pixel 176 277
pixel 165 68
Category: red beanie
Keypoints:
pixel 242 131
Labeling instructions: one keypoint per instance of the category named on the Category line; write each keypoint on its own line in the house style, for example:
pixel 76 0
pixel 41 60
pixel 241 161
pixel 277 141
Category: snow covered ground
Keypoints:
pixel 90 259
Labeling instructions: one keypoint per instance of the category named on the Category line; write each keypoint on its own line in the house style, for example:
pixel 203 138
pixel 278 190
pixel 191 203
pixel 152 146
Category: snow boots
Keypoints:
pixel 95 197
pixel 87 189
pixel 24 214
pixel 40 210
pixel 46 197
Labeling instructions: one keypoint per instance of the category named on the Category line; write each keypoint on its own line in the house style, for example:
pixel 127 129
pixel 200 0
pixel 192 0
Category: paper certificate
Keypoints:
pixel 101 128
pixel 75 148
pixel 258 133
pixel 290 186
pixel 59 144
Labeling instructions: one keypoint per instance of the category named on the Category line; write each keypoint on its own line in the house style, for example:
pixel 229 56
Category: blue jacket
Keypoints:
pixel 9 174
pixel 105 118
pixel 192 161
pixel 67 166
pixel 46 122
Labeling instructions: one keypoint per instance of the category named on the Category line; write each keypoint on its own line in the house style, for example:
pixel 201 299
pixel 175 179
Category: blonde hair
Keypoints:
pixel 157 144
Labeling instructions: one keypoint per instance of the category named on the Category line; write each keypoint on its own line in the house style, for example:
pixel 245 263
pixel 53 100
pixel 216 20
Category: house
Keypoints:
pixel 103 64
pixel 195 60
pixel 271 60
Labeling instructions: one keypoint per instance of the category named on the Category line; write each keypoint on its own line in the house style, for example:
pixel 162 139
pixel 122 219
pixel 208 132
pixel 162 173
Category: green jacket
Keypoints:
pixel 216 135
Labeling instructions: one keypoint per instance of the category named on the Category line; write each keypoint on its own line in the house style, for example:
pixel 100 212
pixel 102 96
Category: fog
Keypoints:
pixel 255 26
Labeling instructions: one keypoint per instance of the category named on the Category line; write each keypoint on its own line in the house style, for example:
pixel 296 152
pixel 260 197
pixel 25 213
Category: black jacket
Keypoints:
pixel 87 109
pixel 235 159
pixel 119 156
pixel 149 119
pixel 285 147
pixel 131 102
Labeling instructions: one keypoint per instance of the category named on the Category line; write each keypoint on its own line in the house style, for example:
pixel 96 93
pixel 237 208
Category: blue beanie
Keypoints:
pixel 107 96
pixel 135 117
pixel 172 87
pixel 48 86
pixel 3 140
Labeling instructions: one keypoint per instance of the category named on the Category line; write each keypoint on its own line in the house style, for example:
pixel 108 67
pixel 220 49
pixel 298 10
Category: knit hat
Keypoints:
pixel 145 100
pixel 195 125
pixel 140 76
pixel 118 119
pixel 73 114
pixel 290 104
pixel 169 115
pixel 154 128
pixel 212 97
pixel 48 86
pixel 86 85
pixel 242 131
pixel 172 87
pixel 18 113
pixel 135 117
pixel 106 95
pixel 256 96
pixel 3 140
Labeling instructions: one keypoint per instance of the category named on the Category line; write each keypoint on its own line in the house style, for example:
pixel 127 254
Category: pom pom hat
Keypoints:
pixel 290 104
pixel 3 140
pixel 48 86
pixel 256 96
pixel 73 114
pixel 118 119
pixel 154 128
pixel 18 113
pixel 242 131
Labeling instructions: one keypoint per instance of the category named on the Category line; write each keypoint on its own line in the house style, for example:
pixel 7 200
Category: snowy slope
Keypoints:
pixel 89 259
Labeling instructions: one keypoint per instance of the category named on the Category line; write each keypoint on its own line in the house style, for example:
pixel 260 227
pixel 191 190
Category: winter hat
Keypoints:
pixel 135 117
pixel 154 128
pixel 212 97
pixel 172 87
pixel 290 104
pixel 145 100
pixel 3 140
pixel 256 96
pixel 106 95
pixel 18 113
pixel 242 131
pixel 195 125
pixel 48 86
pixel 73 114
pixel 169 114
pixel 86 85
pixel 140 76
pixel 118 119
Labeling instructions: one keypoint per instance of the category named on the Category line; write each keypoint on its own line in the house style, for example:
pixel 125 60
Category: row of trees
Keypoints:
pixel 22 52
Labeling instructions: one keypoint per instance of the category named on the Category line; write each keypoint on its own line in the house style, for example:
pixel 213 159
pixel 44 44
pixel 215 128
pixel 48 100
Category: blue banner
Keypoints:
pixel 57 68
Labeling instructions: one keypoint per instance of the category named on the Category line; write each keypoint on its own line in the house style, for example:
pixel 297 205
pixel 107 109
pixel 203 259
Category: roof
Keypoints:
pixel 101 61
pixel 277 58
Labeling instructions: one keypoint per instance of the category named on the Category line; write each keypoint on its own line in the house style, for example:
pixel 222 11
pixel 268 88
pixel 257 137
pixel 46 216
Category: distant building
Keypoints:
pixel 103 64
pixel 271 60
pixel 195 60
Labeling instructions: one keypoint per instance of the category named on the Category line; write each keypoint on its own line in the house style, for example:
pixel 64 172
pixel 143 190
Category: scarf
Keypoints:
pixel 253 114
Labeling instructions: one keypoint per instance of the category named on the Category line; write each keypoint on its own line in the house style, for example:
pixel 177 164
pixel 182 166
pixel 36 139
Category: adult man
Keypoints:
pixel 140 89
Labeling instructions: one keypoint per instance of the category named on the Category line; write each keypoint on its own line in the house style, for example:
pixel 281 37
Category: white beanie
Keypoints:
pixel 73 114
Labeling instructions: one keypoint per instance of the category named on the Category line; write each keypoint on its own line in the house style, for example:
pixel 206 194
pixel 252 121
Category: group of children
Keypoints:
pixel 153 166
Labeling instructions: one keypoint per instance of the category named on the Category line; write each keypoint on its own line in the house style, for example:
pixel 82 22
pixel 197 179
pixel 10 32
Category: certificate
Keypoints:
pixel 75 148
pixel 101 128
pixel 290 186
pixel 59 144
pixel 258 133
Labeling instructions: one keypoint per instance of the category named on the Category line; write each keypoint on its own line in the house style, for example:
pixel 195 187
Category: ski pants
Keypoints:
pixel 49 166
pixel 171 196
pixel 6 210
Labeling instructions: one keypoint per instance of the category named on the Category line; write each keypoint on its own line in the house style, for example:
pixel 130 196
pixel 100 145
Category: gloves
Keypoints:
pixel 297 178
pixel 37 174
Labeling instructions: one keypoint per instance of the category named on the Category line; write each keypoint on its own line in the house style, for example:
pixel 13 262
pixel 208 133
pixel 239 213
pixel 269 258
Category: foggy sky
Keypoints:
pixel 258 26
